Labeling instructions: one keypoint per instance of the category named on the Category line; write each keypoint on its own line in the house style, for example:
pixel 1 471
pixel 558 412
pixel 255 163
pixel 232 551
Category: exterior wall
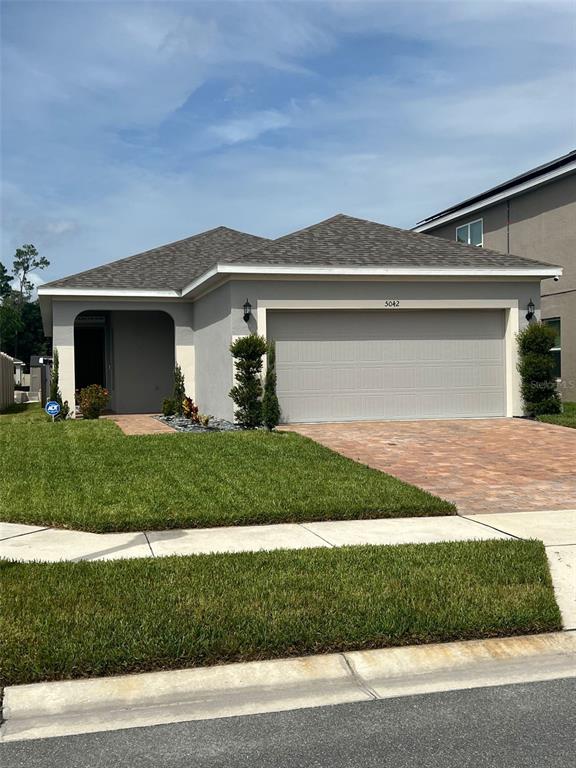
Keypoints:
pixel 213 335
pixel 367 294
pixel 6 381
pixel 143 361
pixel 539 224
pixel 65 311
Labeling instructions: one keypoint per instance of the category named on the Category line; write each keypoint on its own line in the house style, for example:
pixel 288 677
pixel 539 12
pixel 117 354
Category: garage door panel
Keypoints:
pixel 344 365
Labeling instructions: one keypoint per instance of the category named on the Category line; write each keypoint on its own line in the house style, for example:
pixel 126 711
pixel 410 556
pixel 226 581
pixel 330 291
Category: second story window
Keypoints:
pixel 470 233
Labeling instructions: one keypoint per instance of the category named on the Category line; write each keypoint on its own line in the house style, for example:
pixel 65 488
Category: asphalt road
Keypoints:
pixel 511 726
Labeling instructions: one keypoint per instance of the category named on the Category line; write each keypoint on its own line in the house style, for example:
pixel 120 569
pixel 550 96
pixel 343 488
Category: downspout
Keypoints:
pixel 508 225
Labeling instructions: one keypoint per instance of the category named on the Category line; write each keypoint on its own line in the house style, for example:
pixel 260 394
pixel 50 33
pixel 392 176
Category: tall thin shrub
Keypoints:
pixel 270 404
pixel 179 390
pixel 55 393
pixel 536 368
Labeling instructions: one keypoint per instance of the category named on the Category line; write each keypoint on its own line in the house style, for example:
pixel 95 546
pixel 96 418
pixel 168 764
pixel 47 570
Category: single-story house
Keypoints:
pixel 369 321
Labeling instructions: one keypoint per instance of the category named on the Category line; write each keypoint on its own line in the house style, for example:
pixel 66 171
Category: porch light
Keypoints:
pixel 530 312
pixel 247 311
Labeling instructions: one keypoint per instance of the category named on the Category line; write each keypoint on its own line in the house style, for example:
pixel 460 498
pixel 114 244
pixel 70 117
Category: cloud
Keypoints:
pixel 250 127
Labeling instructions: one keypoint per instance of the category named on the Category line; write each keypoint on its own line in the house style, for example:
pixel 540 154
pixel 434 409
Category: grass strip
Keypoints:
pixel 565 419
pixel 88 475
pixel 69 620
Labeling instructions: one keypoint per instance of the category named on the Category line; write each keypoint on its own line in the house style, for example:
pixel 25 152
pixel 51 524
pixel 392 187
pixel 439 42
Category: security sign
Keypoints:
pixel 52 408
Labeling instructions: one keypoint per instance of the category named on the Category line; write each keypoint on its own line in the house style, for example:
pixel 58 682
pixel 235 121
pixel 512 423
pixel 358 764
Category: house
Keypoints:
pixel 370 322
pixel 533 215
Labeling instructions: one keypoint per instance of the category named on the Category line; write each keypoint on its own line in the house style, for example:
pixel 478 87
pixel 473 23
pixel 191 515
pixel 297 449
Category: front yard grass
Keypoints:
pixel 67 620
pixel 565 419
pixel 88 475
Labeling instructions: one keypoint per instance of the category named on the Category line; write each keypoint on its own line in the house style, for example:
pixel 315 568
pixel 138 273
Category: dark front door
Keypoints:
pixel 89 350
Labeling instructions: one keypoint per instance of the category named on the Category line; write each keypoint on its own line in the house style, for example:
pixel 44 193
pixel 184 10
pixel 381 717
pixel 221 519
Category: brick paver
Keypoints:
pixel 139 424
pixel 485 465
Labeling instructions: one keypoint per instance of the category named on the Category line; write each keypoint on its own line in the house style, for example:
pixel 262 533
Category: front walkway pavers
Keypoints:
pixel 140 424
pixel 481 465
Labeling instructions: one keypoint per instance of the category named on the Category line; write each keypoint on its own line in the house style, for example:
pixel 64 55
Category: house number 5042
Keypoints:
pixel 392 303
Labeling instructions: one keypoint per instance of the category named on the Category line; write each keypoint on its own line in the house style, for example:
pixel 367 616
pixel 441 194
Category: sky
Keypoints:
pixel 126 125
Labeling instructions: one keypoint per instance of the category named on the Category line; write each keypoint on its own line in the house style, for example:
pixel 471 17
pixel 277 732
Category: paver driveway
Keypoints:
pixel 484 465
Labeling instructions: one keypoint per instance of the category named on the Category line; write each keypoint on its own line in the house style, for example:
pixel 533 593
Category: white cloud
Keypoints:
pixel 250 127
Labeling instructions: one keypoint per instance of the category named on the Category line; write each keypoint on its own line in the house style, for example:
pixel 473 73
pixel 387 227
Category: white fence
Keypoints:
pixel 6 381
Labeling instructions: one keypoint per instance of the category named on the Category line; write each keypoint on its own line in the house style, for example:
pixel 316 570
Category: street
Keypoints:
pixel 510 726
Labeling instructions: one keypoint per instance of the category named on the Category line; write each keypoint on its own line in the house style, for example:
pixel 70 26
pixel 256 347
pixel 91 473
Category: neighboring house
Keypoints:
pixel 370 322
pixel 533 215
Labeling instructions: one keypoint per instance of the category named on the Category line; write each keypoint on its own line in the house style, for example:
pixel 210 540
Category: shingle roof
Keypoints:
pixel 339 241
pixel 168 267
pixel 348 241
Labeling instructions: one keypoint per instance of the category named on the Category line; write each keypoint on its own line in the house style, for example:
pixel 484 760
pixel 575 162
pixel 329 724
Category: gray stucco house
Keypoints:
pixel 370 322
pixel 532 214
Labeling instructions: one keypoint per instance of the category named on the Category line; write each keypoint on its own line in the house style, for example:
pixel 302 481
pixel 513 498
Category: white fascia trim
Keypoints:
pixel 304 269
pixel 426 225
pixel 108 293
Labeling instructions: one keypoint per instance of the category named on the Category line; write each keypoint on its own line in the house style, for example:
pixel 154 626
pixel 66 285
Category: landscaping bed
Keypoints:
pixel 88 475
pixel 565 419
pixel 69 620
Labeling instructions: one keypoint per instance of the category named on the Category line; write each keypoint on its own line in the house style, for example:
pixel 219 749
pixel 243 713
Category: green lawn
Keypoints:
pixel 565 419
pixel 88 475
pixel 65 620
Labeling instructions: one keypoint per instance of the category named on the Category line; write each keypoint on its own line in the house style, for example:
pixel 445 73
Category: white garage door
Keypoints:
pixel 403 364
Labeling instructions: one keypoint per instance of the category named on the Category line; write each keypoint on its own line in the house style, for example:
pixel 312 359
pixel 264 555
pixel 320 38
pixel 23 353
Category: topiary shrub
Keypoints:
pixel 247 352
pixel 536 368
pixel 92 400
pixel 270 404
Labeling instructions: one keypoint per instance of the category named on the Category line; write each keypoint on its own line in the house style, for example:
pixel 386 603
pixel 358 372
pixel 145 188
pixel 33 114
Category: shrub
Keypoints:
pixel 92 400
pixel 168 406
pixel 247 352
pixel 55 393
pixel 270 404
pixel 189 410
pixel 536 368
pixel 179 389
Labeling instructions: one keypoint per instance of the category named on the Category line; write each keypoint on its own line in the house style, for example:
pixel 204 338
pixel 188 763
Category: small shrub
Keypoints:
pixel 55 393
pixel 92 400
pixel 168 406
pixel 536 368
pixel 189 410
pixel 204 419
pixel 179 389
pixel 247 351
pixel 270 404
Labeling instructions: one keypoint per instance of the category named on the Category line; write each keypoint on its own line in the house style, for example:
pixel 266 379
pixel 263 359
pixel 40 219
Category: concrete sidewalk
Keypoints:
pixel 557 529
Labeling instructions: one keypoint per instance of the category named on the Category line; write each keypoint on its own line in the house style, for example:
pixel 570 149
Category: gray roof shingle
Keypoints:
pixel 345 240
pixel 338 241
pixel 168 267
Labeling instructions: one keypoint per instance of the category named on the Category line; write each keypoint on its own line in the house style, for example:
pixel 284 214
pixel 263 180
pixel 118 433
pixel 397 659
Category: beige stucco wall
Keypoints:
pixel 539 224
pixel 65 311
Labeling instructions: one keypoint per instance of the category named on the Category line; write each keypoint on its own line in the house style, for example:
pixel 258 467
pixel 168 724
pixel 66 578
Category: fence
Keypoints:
pixel 6 381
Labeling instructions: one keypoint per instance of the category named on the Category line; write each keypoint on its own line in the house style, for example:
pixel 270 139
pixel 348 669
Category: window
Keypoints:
pixel 554 323
pixel 471 233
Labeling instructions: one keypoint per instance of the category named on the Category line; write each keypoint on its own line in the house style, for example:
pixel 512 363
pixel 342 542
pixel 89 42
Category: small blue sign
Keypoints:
pixel 52 408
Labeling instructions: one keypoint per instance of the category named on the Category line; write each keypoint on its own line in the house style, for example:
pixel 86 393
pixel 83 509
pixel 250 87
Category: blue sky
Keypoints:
pixel 126 125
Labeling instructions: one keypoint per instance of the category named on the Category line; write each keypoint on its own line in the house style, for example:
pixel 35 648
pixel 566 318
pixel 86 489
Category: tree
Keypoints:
pixel 21 332
pixel 247 352
pixel 536 367
pixel 270 404
pixel 26 261
pixel 179 390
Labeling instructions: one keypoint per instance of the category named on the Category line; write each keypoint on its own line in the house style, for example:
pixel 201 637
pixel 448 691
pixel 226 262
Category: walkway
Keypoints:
pixel 139 424
pixel 482 465
pixel 556 529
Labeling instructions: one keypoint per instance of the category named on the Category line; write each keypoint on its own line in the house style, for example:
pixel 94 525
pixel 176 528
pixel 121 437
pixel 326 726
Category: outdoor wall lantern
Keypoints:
pixel 530 308
pixel 247 311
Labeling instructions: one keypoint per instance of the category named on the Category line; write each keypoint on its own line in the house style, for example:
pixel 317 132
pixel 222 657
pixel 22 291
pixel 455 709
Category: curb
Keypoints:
pixel 44 710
